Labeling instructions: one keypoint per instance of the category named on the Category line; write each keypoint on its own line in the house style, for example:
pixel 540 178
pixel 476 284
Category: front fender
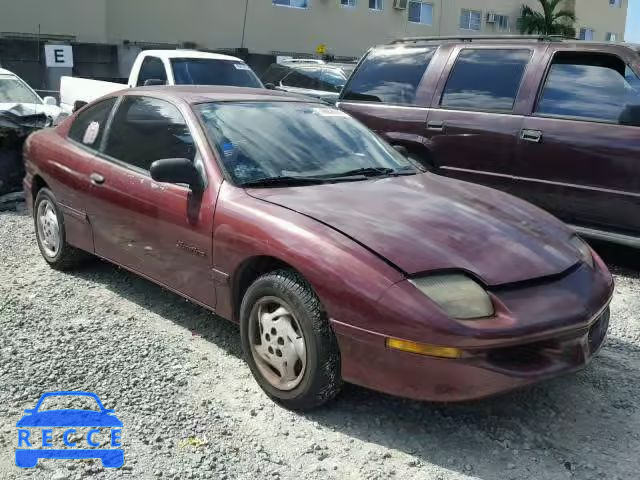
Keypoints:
pixel 347 277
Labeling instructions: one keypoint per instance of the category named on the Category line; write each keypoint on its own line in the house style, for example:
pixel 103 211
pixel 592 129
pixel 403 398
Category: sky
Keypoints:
pixel 632 33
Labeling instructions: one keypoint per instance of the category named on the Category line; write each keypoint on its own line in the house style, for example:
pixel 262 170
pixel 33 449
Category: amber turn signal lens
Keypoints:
pixel 423 348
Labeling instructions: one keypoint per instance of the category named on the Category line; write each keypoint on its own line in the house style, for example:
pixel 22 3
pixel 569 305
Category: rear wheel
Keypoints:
pixel 51 235
pixel 288 343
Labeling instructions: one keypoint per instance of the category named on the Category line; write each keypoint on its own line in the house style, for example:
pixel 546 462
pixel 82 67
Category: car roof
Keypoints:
pixel 189 54
pixel 7 72
pixel 193 94
pixel 499 40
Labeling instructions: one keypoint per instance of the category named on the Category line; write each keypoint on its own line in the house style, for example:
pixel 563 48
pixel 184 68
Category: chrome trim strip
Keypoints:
pixel 546 182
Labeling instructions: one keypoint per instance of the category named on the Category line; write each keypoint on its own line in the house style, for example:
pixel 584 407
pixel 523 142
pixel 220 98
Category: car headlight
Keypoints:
pixel 584 250
pixel 458 295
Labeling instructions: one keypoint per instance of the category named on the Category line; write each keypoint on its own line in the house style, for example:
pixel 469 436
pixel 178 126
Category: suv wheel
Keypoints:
pixel 288 343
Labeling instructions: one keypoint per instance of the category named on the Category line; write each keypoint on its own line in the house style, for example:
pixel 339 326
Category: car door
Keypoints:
pixel 477 113
pixel 71 180
pixel 162 231
pixel 580 148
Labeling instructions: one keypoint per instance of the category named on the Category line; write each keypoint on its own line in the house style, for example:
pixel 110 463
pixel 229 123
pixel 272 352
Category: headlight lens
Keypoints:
pixel 584 250
pixel 458 295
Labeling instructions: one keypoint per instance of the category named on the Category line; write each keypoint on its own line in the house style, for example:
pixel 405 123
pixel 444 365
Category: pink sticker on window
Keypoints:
pixel 91 133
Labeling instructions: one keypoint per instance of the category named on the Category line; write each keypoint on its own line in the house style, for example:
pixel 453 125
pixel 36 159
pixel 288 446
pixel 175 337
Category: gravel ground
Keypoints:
pixel 174 374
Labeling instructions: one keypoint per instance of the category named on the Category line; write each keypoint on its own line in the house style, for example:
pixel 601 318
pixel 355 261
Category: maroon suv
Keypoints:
pixel 554 122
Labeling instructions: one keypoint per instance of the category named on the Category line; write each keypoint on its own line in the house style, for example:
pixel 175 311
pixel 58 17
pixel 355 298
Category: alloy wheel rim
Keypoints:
pixel 277 343
pixel 48 228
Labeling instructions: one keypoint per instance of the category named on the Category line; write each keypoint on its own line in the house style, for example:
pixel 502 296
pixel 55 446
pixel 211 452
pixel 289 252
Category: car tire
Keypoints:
pixel 318 380
pixel 61 256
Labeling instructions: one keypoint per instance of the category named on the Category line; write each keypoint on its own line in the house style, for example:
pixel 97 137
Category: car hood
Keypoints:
pixel 69 418
pixel 28 109
pixel 426 222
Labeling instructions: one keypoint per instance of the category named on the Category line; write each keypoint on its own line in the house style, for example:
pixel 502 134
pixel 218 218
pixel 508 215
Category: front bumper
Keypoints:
pixel 480 373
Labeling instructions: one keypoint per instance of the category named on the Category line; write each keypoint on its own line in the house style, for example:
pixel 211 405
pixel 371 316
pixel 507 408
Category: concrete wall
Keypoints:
pixel 86 19
pixel 218 24
pixel 602 17
pixel 209 23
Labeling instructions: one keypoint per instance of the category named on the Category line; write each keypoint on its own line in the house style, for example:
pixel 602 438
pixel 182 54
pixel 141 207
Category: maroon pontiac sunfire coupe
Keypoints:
pixel 340 259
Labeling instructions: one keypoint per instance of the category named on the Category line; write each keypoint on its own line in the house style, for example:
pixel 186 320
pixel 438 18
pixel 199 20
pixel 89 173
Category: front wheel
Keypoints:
pixel 288 342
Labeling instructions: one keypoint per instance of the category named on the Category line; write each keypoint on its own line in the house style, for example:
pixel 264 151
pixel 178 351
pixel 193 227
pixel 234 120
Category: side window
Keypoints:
pixel 88 127
pixel 596 87
pixel 274 74
pixel 146 129
pixel 389 76
pixel 304 78
pixel 485 79
pixel 152 69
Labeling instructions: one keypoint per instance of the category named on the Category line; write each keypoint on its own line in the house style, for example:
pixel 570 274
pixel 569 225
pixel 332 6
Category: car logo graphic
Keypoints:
pixel 43 422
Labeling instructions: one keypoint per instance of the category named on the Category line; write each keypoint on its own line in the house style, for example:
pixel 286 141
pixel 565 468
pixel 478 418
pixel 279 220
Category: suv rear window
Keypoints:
pixel 389 76
pixel 485 79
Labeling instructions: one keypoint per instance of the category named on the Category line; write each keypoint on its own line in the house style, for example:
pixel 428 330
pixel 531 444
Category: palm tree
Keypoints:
pixel 549 22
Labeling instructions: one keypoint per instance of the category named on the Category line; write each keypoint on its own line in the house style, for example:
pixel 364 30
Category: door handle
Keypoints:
pixel 96 179
pixel 435 126
pixel 534 136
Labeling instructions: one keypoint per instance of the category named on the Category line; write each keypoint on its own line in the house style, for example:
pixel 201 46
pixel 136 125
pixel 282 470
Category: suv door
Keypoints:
pixel 390 93
pixel 580 148
pixel 162 231
pixel 477 112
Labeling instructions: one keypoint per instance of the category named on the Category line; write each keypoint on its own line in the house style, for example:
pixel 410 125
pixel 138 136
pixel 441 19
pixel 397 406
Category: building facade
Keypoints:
pixel 346 27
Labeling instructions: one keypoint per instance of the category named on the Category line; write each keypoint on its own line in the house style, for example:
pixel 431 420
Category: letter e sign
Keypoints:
pixel 59 55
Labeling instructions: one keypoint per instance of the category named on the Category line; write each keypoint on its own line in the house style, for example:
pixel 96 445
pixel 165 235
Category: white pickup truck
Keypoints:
pixel 162 67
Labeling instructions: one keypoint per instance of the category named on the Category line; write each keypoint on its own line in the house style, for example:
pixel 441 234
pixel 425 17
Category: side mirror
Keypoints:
pixel 50 101
pixel 269 86
pixel 630 116
pixel 401 149
pixel 154 82
pixel 176 170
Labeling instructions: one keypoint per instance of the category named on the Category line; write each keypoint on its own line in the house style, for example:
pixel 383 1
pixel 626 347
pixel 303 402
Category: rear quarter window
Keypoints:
pixel 88 127
pixel 389 76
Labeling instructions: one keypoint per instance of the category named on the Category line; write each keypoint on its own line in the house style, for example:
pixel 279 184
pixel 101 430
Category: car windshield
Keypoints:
pixel 13 90
pixel 289 140
pixel 207 71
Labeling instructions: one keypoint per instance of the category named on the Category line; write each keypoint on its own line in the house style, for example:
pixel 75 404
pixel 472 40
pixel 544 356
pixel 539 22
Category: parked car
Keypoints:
pixel 162 67
pixel 554 122
pixel 16 94
pixel 340 258
pixel 16 125
pixel 318 80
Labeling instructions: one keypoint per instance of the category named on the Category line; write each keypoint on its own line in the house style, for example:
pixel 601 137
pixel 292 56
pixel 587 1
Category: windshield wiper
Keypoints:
pixel 282 180
pixel 367 172
pixel 375 172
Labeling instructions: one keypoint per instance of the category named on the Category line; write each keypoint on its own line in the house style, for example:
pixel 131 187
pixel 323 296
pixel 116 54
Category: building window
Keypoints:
pixel 291 3
pixel 586 33
pixel 420 12
pixel 502 22
pixel 612 37
pixel 375 4
pixel 470 20
pixel 348 3
pixel 615 3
